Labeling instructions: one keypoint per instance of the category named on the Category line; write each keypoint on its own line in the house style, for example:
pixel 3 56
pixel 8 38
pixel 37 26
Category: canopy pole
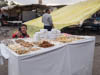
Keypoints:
pixel 40 2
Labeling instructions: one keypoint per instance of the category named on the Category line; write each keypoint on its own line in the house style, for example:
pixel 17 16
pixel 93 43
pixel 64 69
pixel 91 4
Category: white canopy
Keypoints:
pixel 47 2
pixel 61 2
pixel 24 2
pixel 8 7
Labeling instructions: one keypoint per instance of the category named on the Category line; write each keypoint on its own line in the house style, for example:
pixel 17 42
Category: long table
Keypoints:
pixel 74 58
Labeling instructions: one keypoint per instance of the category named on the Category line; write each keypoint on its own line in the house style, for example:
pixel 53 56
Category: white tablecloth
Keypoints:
pixel 81 57
pixel 1 58
pixel 69 59
pixel 49 63
pixel 4 51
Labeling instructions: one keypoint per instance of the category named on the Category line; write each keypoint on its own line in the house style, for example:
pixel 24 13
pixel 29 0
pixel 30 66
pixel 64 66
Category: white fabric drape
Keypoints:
pixel 47 2
pixel 74 58
pixel 61 2
pixel 1 57
pixel 25 2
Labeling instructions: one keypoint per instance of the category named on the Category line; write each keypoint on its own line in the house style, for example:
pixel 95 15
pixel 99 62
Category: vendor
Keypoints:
pixel 21 33
pixel 47 20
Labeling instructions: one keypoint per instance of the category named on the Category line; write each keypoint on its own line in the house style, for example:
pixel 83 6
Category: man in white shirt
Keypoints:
pixel 47 20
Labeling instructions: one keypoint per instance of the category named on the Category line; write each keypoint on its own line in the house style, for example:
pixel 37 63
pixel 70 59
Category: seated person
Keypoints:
pixel 21 33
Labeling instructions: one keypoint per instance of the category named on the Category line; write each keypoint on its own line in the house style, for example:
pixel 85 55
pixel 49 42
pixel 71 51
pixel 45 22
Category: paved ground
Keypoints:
pixel 4 68
pixel 96 65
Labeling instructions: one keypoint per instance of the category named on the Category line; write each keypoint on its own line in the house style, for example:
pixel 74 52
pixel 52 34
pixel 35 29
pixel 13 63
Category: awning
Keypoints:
pixel 61 2
pixel 24 2
pixel 8 7
pixel 21 7
pixel 46 2
pixel 68 15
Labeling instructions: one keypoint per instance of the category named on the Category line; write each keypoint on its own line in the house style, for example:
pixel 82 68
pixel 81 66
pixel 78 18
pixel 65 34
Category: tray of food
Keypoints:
pixel 68 39
pixel 22 46
pixel 25 46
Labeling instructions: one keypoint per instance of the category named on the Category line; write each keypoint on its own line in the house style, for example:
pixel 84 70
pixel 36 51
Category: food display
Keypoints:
pixel 66 39
pixel 19 41
pixel 24 43
pixel 63 39
pixel 20 52
pixel 34 49
pixel 20 49
pixel 20 46
pixel 14 47
pixel 24 46
pixel 7 42
pixel 45 44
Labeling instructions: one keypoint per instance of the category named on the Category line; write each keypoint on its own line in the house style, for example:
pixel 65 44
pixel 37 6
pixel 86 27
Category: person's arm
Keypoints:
pixel 28 36
pixel 50 21
pixel 16 35
pixel 42 19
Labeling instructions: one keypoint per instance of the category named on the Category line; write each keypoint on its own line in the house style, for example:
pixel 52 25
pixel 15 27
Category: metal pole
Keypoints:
pixel 40 2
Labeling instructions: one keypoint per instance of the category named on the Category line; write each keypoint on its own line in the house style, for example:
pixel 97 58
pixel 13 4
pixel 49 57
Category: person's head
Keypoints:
pixel 23 29
pixel 48 11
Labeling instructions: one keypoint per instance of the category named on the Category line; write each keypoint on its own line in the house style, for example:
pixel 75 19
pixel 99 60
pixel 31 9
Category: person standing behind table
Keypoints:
pixel 21 33
pixel 47 20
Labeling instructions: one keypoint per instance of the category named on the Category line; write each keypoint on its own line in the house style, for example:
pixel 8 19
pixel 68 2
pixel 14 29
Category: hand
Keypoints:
pixel 18 34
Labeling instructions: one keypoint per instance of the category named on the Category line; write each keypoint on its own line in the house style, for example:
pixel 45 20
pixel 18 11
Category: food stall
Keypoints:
pixel 52 53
